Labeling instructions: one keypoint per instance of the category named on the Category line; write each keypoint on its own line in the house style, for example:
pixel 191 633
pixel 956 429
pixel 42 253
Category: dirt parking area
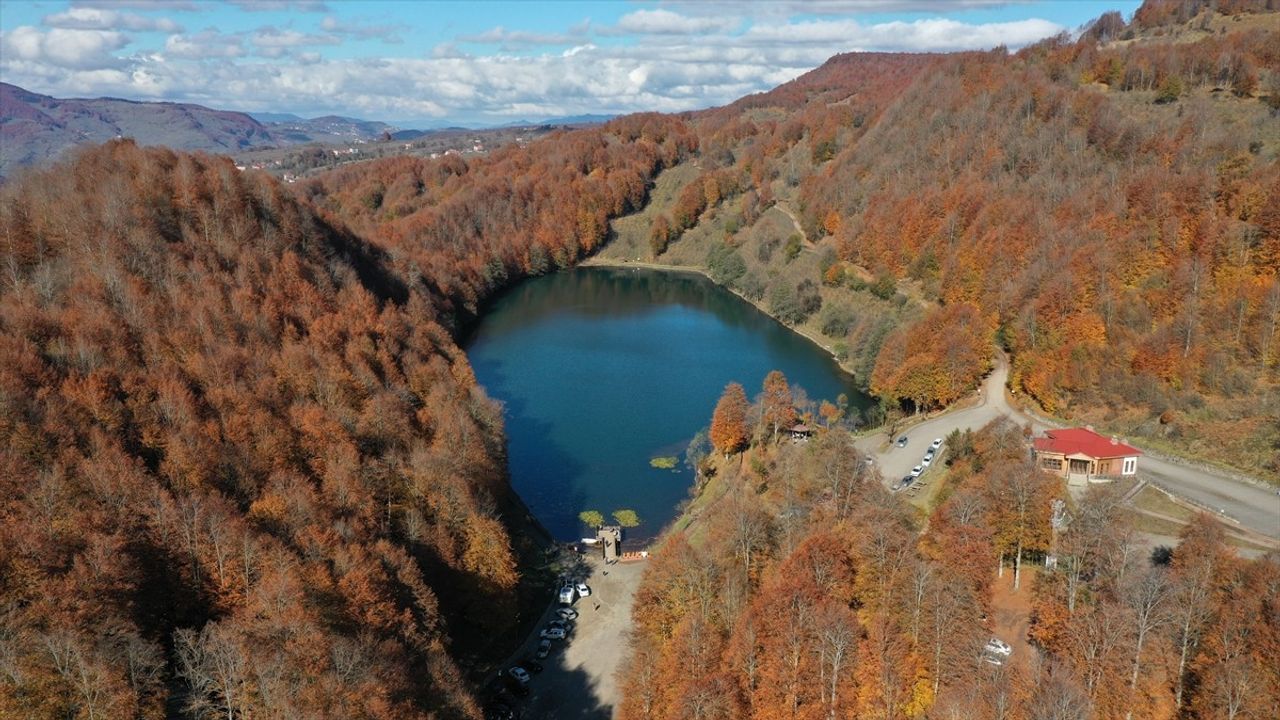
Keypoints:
pixel 579 677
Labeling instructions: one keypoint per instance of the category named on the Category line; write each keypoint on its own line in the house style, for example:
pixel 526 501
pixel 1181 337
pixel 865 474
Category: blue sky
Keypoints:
pixel 433 63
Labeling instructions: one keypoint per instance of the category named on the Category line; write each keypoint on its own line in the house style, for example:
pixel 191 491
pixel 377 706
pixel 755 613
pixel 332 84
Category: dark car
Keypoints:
pixel 499 711
pixel 519 688
pixel 902 441
pixel 906 481
pixel 531 665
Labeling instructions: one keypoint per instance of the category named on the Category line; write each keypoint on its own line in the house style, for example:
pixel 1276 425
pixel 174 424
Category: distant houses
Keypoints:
pixel 1081 455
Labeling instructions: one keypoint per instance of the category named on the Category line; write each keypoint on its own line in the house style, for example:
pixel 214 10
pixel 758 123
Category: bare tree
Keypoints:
pixel 216 669
pixel 837 630
pixel 1058 697
pixel 1147 597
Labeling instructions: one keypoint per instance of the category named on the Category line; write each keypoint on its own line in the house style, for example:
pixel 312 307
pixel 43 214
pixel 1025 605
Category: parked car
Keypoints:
pixel 915 471
pixel 499 711
pixel 531 665
pixel 902 441
pixel 567 613
pixel 519 673
pixel 544 649
pixel 566 595
pixel 565 625
pixel 927 459
pixel 999 647
pixel 937 443
pixel 906 481
pixel 583 590
pixel 552 633
pixel 869 460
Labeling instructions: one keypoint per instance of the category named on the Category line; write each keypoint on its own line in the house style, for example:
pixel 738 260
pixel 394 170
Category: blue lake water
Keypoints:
pixel 602 369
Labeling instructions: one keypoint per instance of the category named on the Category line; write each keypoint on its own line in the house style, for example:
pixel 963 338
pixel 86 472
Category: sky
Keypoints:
pixel 426 64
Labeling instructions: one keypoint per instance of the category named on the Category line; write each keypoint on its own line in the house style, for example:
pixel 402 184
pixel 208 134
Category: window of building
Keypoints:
pixel 1130 466
pixel 1051 463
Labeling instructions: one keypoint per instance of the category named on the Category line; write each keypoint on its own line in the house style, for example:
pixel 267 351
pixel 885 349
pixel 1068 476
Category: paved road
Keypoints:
pixel 894 462
pixel 1254 507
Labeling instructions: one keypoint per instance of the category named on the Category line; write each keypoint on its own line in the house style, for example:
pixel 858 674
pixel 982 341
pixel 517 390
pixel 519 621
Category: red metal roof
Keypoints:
pixel 1070 441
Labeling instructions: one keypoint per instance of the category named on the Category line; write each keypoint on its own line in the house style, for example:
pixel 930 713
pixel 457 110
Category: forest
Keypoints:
pixel 1105 209
pixel 246 470
pixel 807 590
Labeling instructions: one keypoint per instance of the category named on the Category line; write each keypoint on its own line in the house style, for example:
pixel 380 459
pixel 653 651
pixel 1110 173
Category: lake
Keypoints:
pixel 602 369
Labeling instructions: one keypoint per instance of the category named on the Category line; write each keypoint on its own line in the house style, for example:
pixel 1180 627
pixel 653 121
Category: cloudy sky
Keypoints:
pixel 434 63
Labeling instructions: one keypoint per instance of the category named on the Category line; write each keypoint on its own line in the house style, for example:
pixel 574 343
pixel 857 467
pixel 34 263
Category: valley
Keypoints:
pixel 290 433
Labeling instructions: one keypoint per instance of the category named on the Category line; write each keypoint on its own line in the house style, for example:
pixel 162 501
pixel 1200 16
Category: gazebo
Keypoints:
pixel 801 433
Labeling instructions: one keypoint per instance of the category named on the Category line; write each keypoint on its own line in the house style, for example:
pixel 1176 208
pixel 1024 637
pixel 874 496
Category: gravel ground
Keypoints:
pixel 579 679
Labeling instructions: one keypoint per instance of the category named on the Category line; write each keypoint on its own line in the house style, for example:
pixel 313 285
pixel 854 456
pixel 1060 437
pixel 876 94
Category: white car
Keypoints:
pixel 566 595
pixel 915 471
pixel 552 633
pixel 583 590
pixel 927 459
pixel 937 443
pixel 996 646
pixel 520 674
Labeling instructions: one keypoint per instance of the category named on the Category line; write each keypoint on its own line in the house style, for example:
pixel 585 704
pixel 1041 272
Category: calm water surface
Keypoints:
pixel 603 369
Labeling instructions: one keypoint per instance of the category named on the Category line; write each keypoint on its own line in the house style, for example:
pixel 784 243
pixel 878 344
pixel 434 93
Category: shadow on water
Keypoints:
pixel 556 467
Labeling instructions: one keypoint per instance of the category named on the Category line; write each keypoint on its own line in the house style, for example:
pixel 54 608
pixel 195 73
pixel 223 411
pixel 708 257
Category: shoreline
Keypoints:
pixel 597 261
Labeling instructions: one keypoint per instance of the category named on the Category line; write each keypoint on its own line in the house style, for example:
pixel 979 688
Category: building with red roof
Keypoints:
pixel 1080 454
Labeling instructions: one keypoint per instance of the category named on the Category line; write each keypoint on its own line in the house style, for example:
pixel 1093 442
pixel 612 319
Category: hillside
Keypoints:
pixel 37 128
pixel 1102 209
pixel 1106 211
pixel 244 468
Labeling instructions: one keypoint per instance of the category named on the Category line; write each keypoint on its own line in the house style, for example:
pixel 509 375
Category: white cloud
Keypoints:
pixel 178 5
pixel 274 42
pixel 280 5
pixel 671 62
pixel 849 7
pixel 933 34
pixel 518 38
pixel 88 18
pixel 202 45
pixel 386 33
pixel 665 22
pixel 61 47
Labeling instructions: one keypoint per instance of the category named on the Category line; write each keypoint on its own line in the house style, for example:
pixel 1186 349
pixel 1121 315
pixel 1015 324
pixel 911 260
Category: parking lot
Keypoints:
pixel 579 676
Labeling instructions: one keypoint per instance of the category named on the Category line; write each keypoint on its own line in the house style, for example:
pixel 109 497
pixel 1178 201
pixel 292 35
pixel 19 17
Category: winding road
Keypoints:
pixel 1252 506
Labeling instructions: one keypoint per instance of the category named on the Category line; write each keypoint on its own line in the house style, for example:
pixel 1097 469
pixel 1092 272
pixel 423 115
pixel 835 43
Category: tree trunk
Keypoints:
pixel 1017 568
pixel 1137 665
pixel 1182 664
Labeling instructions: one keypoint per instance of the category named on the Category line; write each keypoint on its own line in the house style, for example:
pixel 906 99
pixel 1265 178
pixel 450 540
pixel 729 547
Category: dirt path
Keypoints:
pixel 1011 614
pixel 782 208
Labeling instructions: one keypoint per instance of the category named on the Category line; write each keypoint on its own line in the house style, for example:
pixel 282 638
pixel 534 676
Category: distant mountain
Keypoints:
pixel 35 128
pixel 274 117
pixel 562 120
pixel 327 129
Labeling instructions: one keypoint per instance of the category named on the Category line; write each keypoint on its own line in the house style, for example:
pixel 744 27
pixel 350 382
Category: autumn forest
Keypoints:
pixel 246 471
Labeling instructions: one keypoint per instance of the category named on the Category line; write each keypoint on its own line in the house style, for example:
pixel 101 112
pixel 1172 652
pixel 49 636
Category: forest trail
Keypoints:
pixel 795 221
